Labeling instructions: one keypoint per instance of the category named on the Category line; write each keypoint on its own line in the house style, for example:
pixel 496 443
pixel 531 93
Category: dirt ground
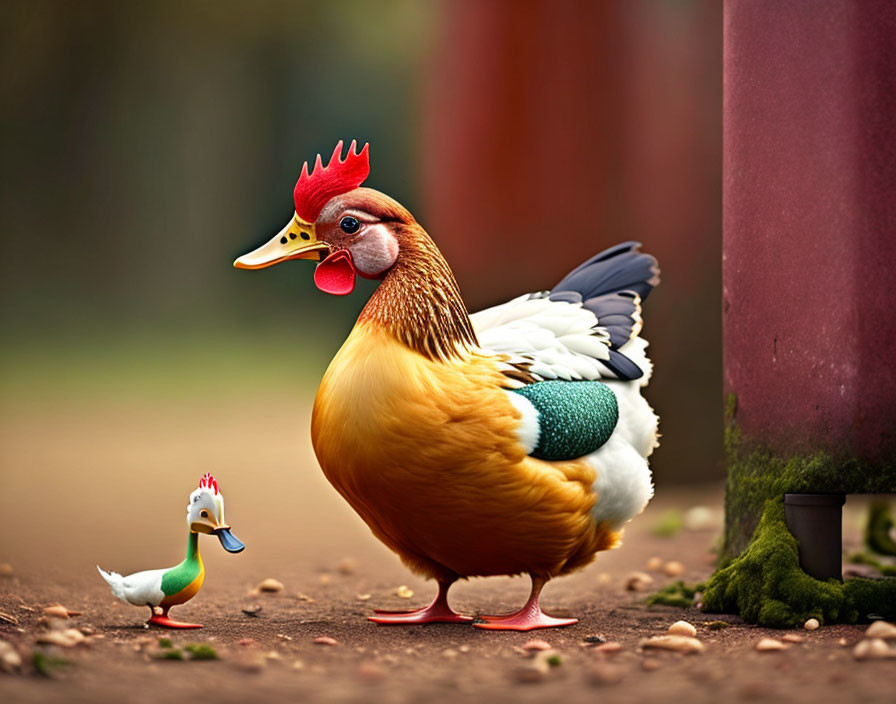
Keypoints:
pixel 108 484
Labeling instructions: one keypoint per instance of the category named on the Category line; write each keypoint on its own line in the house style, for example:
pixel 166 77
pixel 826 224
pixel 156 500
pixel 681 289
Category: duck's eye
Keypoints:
pixel 349 224
pixel 204 514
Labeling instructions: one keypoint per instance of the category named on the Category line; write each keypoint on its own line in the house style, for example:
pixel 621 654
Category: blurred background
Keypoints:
pixel 145 145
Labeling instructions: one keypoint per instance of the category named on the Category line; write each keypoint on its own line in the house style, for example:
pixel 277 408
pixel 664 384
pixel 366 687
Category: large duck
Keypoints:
pixel 511 441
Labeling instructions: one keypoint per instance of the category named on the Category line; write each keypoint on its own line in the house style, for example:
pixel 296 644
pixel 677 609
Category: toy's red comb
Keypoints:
pixel 208 482
pixel 339 176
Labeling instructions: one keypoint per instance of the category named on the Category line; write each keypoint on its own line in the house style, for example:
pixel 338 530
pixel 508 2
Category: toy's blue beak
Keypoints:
pixel 229 541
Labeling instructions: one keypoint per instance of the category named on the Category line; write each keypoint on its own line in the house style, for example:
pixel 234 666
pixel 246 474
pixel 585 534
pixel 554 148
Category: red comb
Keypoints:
pixel 339 176
pixel 208 482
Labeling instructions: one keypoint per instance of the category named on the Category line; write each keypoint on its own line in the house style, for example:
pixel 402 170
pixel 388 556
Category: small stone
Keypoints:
pixel 304 597
pixel 679 644
pixel 682 628
pixel 603 674
pixel 246 642
pixel 462 649
pixel 872 649
pixel 650 664
pixel 325 579
pixel 371 672
pixel 68 638
pixel 609 647
pixel 270 585
pixel 449 653
pixel 655 564
pixel 770 645
pixel 811 624
pixel 536 645
pixel 5 569
pixel 792 638
pixel 250 661
pixel 10 660
pixel 638 582
pixel 882 630
pixel 325 640
pixel 298 665
pixel 56 611
pixel 594 639
pixel 254 610
pixel 362 597
pixel 699 518
pixel 404 592
pixel 531 672
pixel 8 618
pixel 842 642
pixel 604 578
pixel 673 568
pixel 347 566
pixel 283 636
pixel 272 655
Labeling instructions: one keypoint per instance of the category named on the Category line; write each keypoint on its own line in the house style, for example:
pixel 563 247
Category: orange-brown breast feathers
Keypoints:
pixel 427 453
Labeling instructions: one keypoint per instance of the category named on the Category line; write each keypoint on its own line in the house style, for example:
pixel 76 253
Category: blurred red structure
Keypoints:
pixel 555 129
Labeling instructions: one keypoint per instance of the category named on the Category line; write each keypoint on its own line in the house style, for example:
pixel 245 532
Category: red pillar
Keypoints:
pixel 809 247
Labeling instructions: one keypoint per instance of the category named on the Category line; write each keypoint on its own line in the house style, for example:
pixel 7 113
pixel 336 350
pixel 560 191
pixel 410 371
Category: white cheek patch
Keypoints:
pixel 375 251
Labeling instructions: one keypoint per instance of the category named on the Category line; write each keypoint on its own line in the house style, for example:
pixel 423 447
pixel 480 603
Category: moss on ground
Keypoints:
pixel 765 584
pixel 675 594
pixel 878 529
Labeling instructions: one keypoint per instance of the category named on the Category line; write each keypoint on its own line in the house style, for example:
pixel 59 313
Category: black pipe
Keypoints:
pixel 816 521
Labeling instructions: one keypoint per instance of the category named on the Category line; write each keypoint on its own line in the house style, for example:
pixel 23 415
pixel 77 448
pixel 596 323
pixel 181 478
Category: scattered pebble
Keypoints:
pixel 792 638
pixel 811 624
pixel 609 647
pixel 5 569
pixel 882 630
pixel 58 611
pixel 673 568
pixel 531 671
pixel 254 610
pixel 371 672
pixel 273 655
pixel 872 649
pixel 10 660
pixel 536 645
pixel 347 566
pixel 604 578
pixel 304 597
pixel 842 642
pixel 770 645
pixel 270 585
pixel 449 653
pixel 680 644
pixel 404 592
pixel 655 564
pixel 283 636
pixel 8 618
pixel 246 642
pixel 699 518
pixel 298 665
pixel 638 582
pixel 650 664
pixel 68 638
pixel 594 639
pixel 362 597
pixel 325 579
pixel 462 648
pixel 603 674
pixel 325 640
pixel 682 628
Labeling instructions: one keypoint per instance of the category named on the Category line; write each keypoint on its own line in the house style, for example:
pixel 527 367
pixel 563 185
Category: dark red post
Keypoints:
pixel 809 249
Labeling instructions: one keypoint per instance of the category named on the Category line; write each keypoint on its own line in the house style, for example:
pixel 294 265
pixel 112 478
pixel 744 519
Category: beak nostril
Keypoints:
pixel 283 240
pixel 292 235
pixel 306 236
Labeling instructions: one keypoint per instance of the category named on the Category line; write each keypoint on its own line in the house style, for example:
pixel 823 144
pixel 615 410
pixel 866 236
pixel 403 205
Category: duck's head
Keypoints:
pixel 348 229
pixel 205 514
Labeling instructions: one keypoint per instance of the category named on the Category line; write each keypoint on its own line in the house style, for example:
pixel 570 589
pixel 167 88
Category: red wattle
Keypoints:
pixel 336 274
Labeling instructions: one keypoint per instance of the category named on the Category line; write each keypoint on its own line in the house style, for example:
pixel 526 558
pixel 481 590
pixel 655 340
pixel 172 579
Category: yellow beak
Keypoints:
pixel 295 241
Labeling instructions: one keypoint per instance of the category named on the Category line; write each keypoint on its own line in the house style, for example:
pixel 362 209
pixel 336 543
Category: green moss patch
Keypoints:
pixel 878 529
pixel 765 584
pixel 675 594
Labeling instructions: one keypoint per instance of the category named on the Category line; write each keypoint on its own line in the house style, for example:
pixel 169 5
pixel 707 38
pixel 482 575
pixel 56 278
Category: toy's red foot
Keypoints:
pixel 524 621
pixel 434 613
pixel 165 622
pixel 527 618
pixel 437 612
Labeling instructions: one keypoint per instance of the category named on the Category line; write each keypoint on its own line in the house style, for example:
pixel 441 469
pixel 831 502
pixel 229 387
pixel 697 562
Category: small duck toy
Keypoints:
pixel 162 589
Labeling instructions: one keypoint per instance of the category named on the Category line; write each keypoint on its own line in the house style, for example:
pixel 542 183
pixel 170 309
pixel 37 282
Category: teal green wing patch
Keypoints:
pixel 178 578
pixel 575 417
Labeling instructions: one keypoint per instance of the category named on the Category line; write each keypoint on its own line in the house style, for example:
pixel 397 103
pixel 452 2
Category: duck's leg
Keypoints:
pixel 161 619
pixel 437 612
pixel 529 617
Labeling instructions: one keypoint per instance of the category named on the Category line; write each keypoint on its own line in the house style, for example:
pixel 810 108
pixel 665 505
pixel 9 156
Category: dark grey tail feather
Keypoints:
pixel 612 285
pixel 619 268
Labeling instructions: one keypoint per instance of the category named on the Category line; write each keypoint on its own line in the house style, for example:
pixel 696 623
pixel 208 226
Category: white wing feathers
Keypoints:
pixel 555 339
